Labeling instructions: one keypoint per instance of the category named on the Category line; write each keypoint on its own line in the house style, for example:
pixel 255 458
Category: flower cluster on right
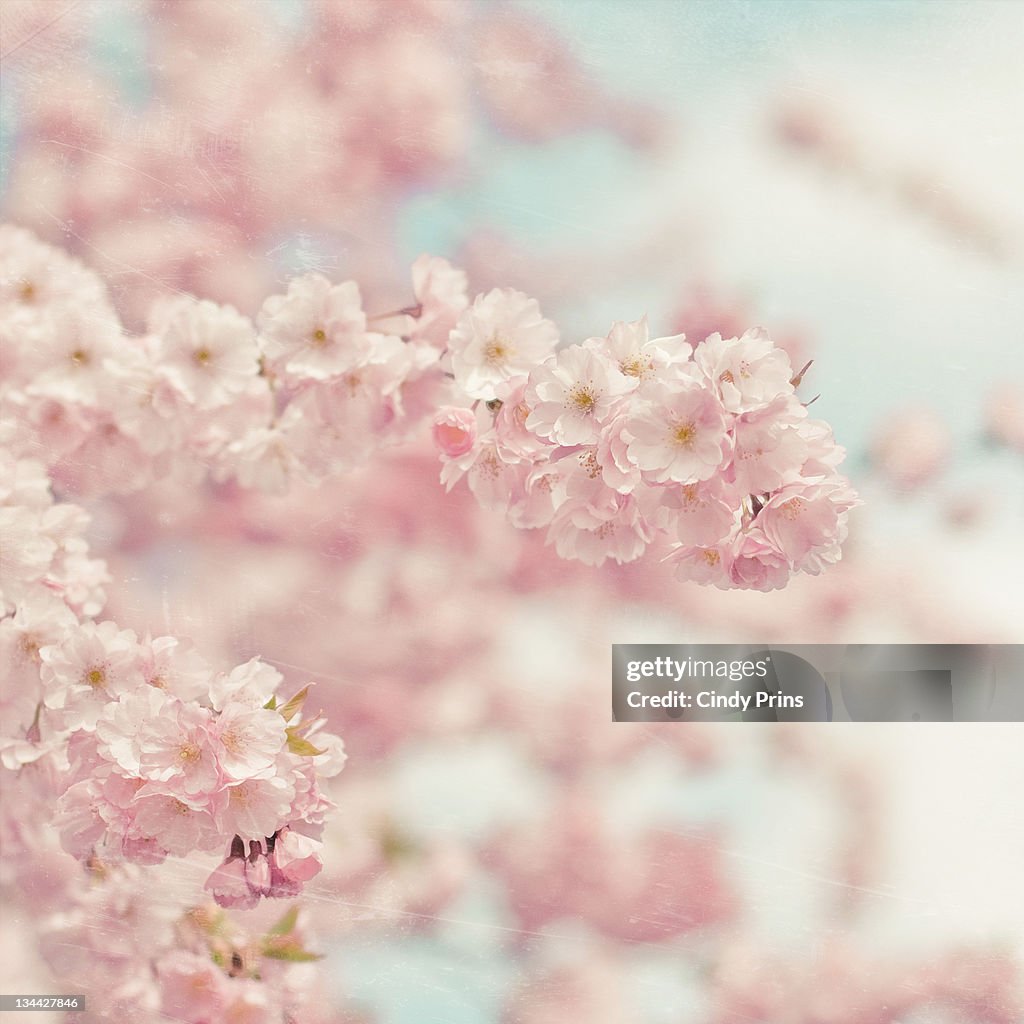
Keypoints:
pixel 620 441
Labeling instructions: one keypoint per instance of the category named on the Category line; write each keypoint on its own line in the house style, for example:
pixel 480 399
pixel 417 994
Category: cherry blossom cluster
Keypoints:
pixel 620 440
pixel 609 444
pixel 308 390
pixel 152 753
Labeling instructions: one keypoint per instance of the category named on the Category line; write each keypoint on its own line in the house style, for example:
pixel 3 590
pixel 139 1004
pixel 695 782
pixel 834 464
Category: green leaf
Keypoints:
pixel 287 923
pixel 300 746
pixel 271 704
pixel 294 705
pixel 283 948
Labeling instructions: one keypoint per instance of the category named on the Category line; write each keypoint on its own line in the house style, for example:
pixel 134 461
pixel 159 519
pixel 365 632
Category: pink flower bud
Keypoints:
pixel 454 430
pixel 297 856
pixel 229 887
pixel 257 873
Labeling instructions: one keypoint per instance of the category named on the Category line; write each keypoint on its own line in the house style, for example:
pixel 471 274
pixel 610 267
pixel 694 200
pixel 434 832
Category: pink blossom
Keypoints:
pixel 572 395
pixel 173 665
pixel 316 331
pixel 180 828
pixel 192 987
pixel 678 434
pixel 295 856
pixel 177 749
pixel 619 531
pixel 697 514
pixel 704 565
pixel 440 290
pixel 228 884
pixel 514 440
pixel 454 430
pixel 255 808
pixel 252 684
pixel 807 521
pixel 639 356
pixel 756 563
pixel 209 350
pixel 92 665
pixel 500 337
pixel 747 372
pixel 769 450
pixel 248 740
pixel 121 722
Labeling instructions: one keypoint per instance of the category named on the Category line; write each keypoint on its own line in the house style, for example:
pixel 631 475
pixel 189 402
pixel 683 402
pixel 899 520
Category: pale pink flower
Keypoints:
pixel 678 434
pixel 174 666
pixel 209 351
pixel 77 819
pixel 514 440
pixel 639 356
pixel 622 537
pixel 255 808
pixel 69 353
pixel 257 871
pixel 756 563
pixel 572 395
pixel 699 514
pixel 192 987
pixel 252 684
pixel 823 454
pixel 454 430
pixel 316 331
pixel 228 885
pixel 768 449
pixel 249 740
pixel 119 726
pixel 747 372
pixel 25 553
pixel 540 498
pixel 34 276
pixel 180 828
pixel 613 455
pixel 91 666
pixel 177 749
pixel 295 856
pixel 502 336
pixel 440 290
pixel 494 482
pixel 703 565
pixel 805 521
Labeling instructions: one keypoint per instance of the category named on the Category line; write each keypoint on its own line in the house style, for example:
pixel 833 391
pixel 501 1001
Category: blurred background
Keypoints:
pixel 845 174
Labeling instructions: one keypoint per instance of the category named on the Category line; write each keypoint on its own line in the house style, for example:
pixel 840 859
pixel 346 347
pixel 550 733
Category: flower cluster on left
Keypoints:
pixel 151 753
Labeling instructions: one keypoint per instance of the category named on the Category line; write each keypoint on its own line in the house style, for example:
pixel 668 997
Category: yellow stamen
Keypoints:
pixel 685 434
pixel 583 398
pixel 497 351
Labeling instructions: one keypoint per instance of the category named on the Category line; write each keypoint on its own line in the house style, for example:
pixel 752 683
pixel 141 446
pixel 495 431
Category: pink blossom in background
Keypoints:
pixel 912 448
